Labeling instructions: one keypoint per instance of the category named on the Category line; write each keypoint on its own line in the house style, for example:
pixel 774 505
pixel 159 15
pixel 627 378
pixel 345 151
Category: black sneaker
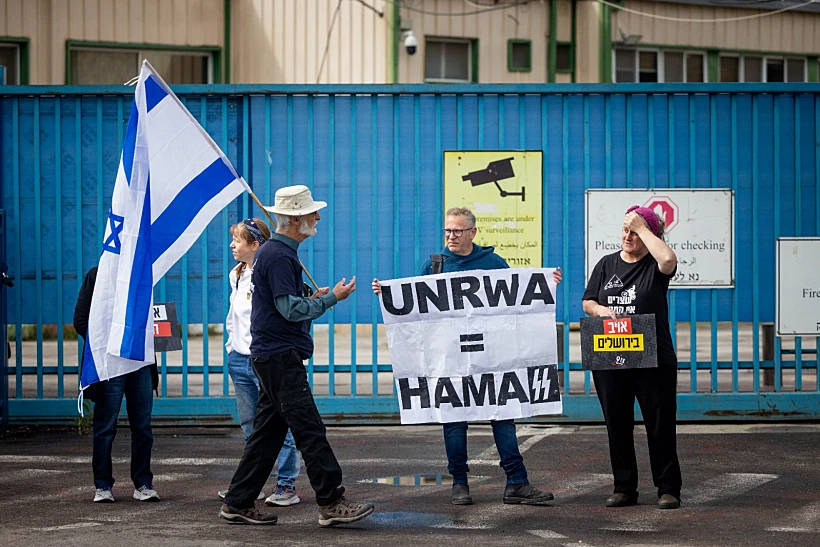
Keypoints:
pixel 526 494
pixel 619 499
pixel 461 495
pixel 343 511
pixel 246 516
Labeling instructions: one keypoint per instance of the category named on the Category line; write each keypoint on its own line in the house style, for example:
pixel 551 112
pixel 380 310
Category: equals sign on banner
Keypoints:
pixel 471 338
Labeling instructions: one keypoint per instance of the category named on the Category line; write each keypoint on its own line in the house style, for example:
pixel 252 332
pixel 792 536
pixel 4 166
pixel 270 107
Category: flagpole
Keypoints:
pixel 222 155
pixel 273 223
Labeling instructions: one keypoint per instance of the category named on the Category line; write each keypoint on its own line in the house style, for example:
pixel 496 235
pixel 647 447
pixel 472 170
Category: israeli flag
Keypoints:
pixel 172 180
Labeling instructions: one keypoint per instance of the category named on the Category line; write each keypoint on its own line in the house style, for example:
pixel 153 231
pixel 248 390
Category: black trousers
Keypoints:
pixel 285 401
pixel 655 390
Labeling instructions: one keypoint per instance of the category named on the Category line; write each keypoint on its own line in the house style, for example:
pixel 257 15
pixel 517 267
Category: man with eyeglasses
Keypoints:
pixel 461 254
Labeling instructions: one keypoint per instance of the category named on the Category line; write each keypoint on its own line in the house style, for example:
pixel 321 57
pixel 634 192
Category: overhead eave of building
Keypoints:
pixel 771 5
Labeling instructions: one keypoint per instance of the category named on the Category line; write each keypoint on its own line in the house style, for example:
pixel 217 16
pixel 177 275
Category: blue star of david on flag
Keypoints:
pixel 112 243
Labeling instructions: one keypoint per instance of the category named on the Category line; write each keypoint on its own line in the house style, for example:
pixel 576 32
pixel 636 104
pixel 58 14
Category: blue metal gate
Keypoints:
pixel 375 154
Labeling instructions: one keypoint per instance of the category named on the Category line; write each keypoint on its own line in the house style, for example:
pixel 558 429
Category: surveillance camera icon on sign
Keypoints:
pixel 496 171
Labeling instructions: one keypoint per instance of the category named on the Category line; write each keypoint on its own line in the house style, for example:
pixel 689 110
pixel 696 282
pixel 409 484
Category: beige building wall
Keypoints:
pixel 792 32
pixel 48 24
pixel 283 42
pixel 588 42
pixel 492 29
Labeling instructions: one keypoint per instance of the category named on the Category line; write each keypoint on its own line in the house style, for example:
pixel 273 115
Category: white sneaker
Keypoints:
pixel 282 497
pixel 146 493
pixel 222 493
pixel 103 495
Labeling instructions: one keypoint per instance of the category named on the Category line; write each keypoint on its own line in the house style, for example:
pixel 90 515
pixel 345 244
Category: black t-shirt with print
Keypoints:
pixel 631 288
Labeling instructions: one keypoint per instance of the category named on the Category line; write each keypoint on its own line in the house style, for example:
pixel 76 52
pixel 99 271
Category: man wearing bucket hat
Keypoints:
pixel 280 342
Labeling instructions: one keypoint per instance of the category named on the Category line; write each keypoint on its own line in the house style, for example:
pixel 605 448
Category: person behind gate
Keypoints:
pixel 461 254
pixel 280 342
pixel 138 388
pixel 246 238
pixel 639 273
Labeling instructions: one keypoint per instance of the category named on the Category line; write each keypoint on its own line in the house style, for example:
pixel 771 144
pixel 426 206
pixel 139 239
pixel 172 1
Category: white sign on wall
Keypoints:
pixel 699 228
pixel 798 286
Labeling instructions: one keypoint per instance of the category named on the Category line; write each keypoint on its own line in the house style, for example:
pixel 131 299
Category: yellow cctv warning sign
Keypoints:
pixel 504 188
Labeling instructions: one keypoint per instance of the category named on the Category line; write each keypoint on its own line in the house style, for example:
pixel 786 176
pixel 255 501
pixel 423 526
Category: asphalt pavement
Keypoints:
pixel 744 485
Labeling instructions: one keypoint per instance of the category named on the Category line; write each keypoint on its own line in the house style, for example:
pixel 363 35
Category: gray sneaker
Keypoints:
pixel 343 511
pixel 283 496
pixel 222 493
pixel 246 516
pixel 146 493
pixel 103 495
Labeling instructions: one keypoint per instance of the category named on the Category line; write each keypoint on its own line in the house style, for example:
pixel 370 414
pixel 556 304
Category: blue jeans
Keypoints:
pixel 246 387
pixel 506 441
pixel 139 401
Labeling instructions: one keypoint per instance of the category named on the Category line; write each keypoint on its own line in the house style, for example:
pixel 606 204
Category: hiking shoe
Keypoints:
pixel 146 493
pixel 461 495
pixel 103 495
pixel 668 501
pixel 222 493
pixel 526 494
pixel 343 511
pixel 620 499
pixel 283 496
pixel 250 515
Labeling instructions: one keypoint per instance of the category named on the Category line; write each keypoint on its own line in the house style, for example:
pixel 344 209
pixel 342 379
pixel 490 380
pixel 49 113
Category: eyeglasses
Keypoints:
pixel 457 233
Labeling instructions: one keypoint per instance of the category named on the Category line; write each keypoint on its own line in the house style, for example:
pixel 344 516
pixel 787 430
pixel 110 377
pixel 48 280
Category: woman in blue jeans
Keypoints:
pixel 138 388
pixel 247 237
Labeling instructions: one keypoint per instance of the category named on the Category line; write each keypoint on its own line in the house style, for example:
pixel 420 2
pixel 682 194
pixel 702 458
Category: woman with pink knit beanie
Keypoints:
pixel 633 281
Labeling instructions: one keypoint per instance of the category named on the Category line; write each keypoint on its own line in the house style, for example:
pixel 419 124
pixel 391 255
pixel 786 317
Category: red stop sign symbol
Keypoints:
pixel 665 208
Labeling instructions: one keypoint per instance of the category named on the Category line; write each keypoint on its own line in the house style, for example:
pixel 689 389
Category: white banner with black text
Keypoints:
pixel 475 345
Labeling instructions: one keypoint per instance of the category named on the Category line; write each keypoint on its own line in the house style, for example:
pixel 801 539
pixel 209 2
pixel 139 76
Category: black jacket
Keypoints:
pixel 81 312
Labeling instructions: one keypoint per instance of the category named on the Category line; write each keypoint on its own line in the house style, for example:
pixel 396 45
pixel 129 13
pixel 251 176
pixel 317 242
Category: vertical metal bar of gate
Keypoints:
pixel 78 205
pixel 203 120
pixel 354 236
pixel 38 253
pixel 714 295
pixel 693 311
pixel 58 241
pixel 331 314
pixel 565 246
pixel 18 263
pixel 226 260
pixel 755 235
pixel 4 361
pixel 374 256
pixel 735 303
pixel 798 217
pixel 817 221
pixel 777 181
pixel 587 386
pixel 310 184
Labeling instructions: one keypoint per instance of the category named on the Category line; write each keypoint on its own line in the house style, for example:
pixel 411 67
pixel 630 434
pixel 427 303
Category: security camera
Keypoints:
pixel 410 43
